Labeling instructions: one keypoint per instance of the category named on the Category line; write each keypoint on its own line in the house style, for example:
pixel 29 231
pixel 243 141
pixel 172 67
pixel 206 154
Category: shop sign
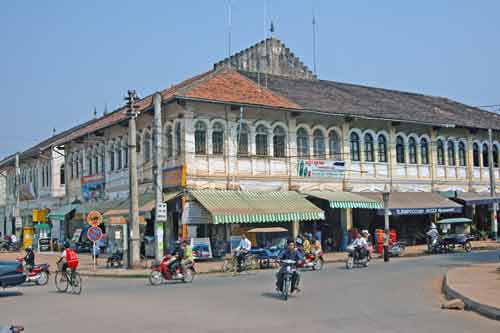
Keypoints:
pixel 93 187
pixel 161 212
pixel 321 168
pixel 44 244
pixel 28 233
pixel 40 215
pixel 201 248
pixel 76 235
pixel 174 177
pixel 421 211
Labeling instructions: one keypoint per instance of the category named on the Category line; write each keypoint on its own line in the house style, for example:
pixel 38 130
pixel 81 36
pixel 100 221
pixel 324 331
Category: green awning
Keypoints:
pixel 455 220
pixel 41 226
pixel 345 199
pixel 60 213
pixel 256 207
pixel 100 206
pixel 146 205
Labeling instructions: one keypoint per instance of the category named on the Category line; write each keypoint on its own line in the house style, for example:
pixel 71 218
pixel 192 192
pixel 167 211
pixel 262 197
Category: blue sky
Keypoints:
pixel 60 59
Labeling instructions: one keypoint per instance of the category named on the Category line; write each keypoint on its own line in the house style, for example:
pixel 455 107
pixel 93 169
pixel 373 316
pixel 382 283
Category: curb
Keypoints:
pixel 471 305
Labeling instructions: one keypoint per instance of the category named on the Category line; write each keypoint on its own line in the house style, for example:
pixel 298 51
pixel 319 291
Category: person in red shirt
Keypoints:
pixel 69 259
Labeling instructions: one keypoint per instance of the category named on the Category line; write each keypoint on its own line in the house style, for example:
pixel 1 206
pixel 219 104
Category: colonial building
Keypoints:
pixel 260 121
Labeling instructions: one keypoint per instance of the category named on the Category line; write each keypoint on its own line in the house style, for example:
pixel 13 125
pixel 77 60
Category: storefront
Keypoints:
pixel 479 208
pixel 59 219
pixel 410 214
pixel 340 208
pixel 219 215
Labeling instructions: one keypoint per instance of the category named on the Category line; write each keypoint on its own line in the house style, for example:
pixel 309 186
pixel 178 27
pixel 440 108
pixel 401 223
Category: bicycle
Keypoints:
pixel 63 280
pixel 250 262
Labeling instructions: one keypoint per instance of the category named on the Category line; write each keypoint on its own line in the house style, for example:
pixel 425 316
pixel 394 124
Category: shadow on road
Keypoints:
pixel 10 294
pixel 274 295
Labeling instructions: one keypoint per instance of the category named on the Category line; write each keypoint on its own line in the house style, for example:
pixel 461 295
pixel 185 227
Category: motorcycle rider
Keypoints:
pixel 29 259
pixel 187 255
pixel 307 243
pixel 290 253
pixel 316 248
pixel 176 259
pixel 433 236
pixel 241 251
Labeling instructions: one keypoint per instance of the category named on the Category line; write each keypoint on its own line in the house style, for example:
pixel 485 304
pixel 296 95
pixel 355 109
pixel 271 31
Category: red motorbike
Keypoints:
pixel 160 272
pixel 39 274
pixel 316 263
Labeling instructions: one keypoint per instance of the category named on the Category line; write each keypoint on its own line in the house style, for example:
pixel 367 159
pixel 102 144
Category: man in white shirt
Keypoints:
pixel 242 250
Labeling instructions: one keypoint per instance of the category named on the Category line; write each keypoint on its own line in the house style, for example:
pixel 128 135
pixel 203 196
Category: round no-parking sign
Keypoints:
pixel 94 234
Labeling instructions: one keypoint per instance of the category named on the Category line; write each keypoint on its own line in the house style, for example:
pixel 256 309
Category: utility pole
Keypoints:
pixel 494 208
pixel 157 181
pixel 133 257
pixel 17 182
pixel 385 197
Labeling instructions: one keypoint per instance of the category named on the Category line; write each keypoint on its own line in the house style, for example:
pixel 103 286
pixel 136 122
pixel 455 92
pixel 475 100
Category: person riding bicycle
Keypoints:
pixel 29 259
pixel 68 259
pixel 241 251
pixel 290 253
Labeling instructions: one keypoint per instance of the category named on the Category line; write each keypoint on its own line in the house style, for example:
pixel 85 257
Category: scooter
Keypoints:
pixel 355 258
pixel 313 262
pixel 39 274
pixel 116 259
pixel 287 269
pixel 160 272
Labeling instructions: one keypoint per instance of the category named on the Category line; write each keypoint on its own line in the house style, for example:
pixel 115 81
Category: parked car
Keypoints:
pixel 11 274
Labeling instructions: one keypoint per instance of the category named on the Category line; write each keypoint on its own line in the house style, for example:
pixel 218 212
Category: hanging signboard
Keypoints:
pixel 321 168
pixel 421 211
pixel 174 177
pixel 76 235
pixel 161 212
pixel 93 187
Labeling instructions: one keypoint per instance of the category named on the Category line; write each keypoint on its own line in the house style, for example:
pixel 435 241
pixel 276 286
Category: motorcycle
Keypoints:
pixel 287 269
pixel 115 259
pixel 356 258
pixel 313 262
pixel 8 246
pixel 434 245
pixel 39 274
pixel 161 272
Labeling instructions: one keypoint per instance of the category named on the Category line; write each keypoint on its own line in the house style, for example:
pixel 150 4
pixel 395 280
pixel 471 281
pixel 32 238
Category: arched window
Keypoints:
pixel 440 152
pixel 62 177
pixel 80 163
pixel 354 147
pixel 475 155
pixel 200 138
pixel 146 147
pixel 412 150
pixel 170 142
pixel 495 156
pixel 119 157
pixel 178 139
pixel 102 159
pixel 424 151
pixel 112 164
pixel 400 150
pixel 334 145
pixel 279 142
pixel 89 164
pixel 319 145
pixel 242 140
pixel 217 139
pixel 486 161
pixel 302 143
pixel 261 141
pixel 96 161
pixel 125 155
pixel 451 153
pixel 382 149
pixel 462 160
pixel 369 153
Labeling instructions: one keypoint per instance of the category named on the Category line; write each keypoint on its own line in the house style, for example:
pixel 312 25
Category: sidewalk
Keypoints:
pixel 478 286
pixel 203 267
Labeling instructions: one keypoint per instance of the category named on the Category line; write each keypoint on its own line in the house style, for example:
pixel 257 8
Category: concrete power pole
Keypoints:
pixel 157 181
pixel 133 257
pixel 494 222
pixel 17 213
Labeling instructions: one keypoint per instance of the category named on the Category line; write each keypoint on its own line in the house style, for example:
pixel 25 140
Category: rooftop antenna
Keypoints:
pixel 105 109
pixel 314 36
pixel 53 131
pixel 95 112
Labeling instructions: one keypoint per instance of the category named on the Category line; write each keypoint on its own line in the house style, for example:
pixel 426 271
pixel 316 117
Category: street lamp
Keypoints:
pixel 385 198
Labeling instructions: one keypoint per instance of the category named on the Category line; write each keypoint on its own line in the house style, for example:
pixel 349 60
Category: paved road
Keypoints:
pixel 398 297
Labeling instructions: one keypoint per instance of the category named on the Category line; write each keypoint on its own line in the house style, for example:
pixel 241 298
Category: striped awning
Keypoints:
pixel 60 213
pixel 345 199
pixel 256 207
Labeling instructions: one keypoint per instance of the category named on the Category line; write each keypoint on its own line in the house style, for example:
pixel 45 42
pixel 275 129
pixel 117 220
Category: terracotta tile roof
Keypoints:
pixel 229 86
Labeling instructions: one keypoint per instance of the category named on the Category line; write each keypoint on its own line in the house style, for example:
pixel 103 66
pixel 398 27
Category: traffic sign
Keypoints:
pixel 94 218
pixel 94 234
